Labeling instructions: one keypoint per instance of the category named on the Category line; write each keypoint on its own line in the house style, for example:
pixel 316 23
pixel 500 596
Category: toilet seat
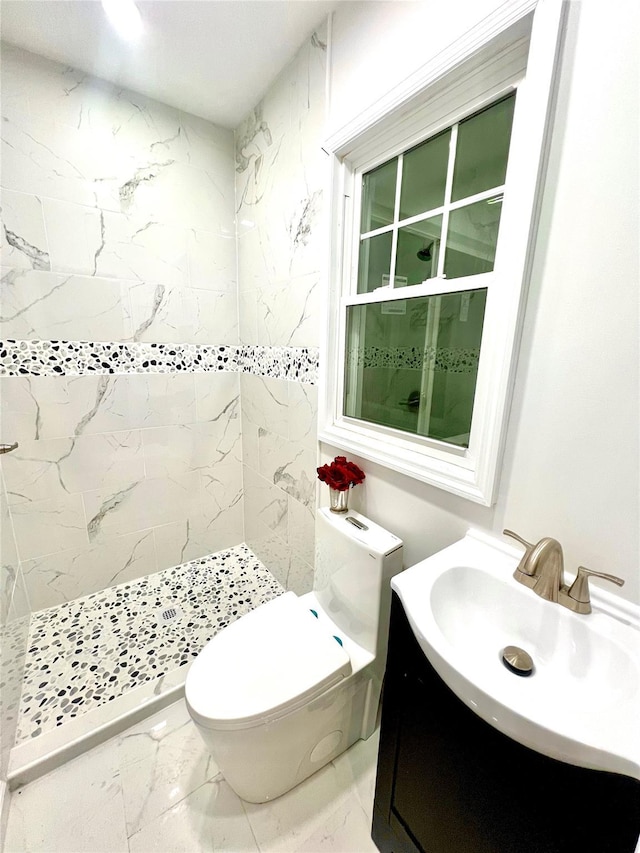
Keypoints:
pixel 263 666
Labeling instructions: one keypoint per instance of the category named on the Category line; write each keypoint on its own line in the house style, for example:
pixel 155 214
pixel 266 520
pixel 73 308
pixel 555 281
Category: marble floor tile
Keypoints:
pixel 285 823
pixel 154 789
pixel 76 809
pixel 347 830
pixel 356 769
pixel 211 818
pixel 162 761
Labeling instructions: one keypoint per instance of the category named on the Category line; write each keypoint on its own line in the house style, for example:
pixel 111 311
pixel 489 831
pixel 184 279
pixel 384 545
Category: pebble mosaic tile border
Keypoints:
pixel 85 653
pixel 299 364
pixel 76 358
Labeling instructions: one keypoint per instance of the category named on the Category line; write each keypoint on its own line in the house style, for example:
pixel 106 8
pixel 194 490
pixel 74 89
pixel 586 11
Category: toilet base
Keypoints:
pixel 265 761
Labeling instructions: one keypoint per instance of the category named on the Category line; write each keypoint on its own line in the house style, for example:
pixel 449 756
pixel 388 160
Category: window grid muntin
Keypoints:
pixel 396 210
pixel 453 147
pixel 361 166
pixel 436 211
pixel 443 210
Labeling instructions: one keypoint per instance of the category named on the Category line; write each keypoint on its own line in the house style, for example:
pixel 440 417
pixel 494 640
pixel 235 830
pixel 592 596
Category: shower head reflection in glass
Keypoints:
pixel 425 252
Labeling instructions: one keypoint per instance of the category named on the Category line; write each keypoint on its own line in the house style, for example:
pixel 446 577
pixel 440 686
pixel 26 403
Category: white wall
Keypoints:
pixel 376 45
pixel 571 466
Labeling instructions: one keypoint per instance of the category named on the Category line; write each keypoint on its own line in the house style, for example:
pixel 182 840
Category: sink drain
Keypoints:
pixel 517 660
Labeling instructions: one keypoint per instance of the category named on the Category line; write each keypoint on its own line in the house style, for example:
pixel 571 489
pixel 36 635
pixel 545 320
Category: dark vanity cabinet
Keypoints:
pixel 450 783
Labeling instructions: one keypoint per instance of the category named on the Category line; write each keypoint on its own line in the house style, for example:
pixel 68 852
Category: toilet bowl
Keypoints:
pixel 286 688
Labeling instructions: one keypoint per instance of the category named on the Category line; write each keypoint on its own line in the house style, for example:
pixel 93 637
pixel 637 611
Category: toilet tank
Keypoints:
pixel 355 561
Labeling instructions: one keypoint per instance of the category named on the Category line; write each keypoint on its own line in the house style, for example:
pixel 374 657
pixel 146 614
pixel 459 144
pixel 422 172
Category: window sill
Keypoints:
pixel 452 468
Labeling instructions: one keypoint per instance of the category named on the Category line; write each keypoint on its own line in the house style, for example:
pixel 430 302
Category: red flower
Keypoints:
pixel 341 474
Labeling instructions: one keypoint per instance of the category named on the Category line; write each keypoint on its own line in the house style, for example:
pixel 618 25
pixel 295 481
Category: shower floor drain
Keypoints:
pixel 168 614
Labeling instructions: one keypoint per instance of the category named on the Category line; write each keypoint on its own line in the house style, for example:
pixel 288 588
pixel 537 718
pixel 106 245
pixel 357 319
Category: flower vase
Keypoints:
pixel 338 500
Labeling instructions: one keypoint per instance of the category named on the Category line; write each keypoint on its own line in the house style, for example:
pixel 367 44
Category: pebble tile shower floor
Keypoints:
pixel 85 653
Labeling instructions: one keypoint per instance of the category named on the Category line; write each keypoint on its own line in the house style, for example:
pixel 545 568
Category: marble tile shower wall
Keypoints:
pixel 118 226
pixel 117 212
pixel 280 176
pixel 117 477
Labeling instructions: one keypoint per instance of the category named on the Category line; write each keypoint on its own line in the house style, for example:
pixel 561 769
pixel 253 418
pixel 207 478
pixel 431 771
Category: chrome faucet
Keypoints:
pixel 542 570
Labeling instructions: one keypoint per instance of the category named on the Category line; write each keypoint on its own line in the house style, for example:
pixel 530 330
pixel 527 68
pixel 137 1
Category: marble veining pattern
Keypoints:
pixel 77 358
pixel 280 180
pixel 23 239
pixel 155 789
pixel 84 653
pixel 281 174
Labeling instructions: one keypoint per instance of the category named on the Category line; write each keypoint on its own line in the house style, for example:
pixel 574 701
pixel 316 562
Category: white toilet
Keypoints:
pixel 287 687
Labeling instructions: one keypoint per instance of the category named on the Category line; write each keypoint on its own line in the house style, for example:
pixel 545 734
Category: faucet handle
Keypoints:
pixel 579 589
pixel 523 565
pixel 518 538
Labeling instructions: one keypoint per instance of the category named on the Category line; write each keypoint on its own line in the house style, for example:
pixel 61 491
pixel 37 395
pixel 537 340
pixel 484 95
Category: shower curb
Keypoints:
pixel 33 758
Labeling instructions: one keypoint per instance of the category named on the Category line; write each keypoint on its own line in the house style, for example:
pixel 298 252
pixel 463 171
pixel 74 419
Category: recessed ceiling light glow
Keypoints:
pixel 125 17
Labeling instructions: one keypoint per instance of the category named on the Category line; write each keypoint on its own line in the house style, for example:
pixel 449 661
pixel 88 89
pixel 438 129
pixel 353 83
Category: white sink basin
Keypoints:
pixel 581 704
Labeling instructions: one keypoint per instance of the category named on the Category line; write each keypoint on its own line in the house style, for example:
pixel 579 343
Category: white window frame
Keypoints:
pixel 485 64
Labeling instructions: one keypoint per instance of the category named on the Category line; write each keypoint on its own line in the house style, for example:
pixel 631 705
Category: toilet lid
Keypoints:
pixel 266 664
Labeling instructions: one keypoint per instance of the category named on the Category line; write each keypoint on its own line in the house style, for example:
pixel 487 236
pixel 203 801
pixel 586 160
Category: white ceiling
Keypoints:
pixel 213 58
